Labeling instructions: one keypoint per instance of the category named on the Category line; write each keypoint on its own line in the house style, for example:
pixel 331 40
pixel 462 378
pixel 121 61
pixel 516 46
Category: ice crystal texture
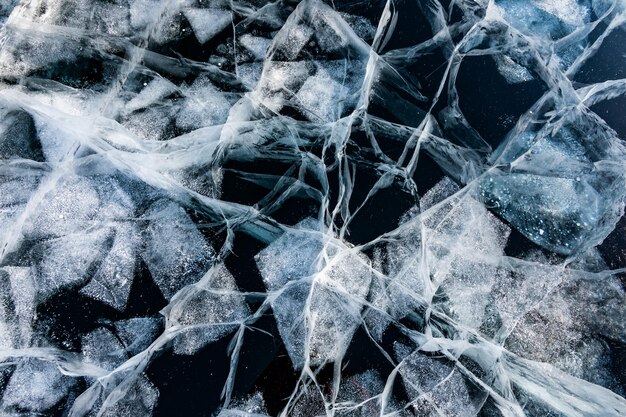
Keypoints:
pixel 335 208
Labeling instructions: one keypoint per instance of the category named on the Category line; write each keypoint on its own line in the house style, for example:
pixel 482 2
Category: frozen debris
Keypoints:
pixel 69 261
pixel 437 387
pixel 206 23
pixel 559 213
pixel 139 399
pixel 318 287
pixel 18 135
pixel 175 252
pixel 256 45
pixel 361 395
pixel 138 333
pixel 111 282
pixel 513 72
pixel 152 93
pixel 110 346
pixel 204 106
pixel 5 10
pixel 16 189
pixel 323 90
pixel 324 95
pixel 28 389
pixel 17 306
pixel 76 203
pixel 103 348
pixel 206 311
pixel 254 406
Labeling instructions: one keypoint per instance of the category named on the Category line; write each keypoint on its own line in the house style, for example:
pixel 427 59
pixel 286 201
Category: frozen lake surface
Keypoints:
pixel 343 208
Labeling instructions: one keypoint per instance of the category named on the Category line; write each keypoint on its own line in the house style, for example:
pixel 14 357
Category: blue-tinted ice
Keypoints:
pixel 312 208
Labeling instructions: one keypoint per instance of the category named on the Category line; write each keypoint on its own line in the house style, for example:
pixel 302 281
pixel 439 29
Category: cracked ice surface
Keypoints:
pixel 312 208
